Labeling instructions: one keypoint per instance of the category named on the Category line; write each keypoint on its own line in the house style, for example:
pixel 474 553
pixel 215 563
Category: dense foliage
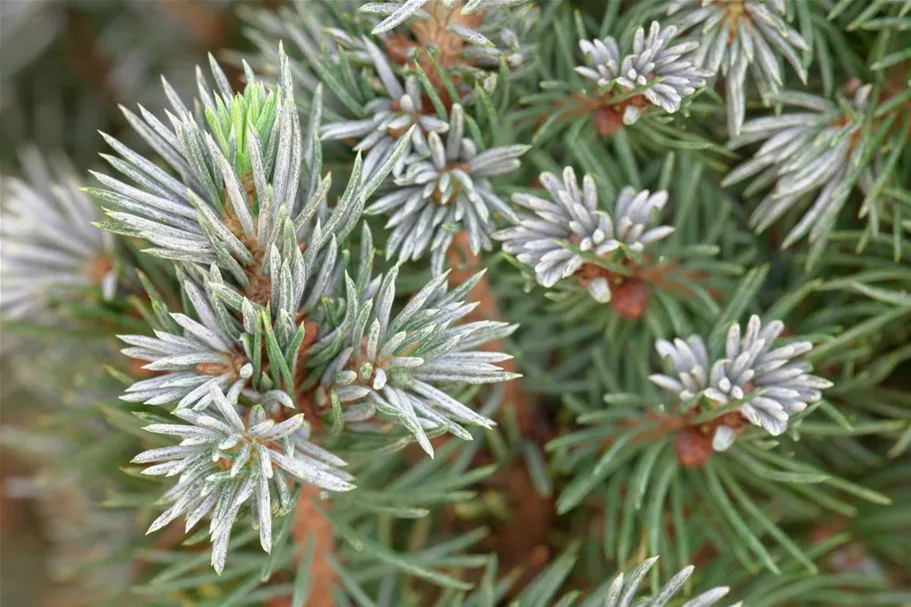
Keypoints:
pixel 462 302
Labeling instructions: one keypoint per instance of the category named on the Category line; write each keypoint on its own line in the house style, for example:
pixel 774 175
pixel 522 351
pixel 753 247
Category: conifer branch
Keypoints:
pixel 687 221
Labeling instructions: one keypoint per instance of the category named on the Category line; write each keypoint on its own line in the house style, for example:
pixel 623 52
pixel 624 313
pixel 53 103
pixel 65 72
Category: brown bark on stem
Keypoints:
pixel 520 541
pixel 466 264
pixel 310 523
pixel 311 526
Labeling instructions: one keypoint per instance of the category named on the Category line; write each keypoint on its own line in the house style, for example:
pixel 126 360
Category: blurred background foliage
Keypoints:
pixel 65 66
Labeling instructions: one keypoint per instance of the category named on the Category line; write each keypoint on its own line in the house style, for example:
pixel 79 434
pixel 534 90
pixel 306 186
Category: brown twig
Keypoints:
pixel 310 525
pixel 522 540
pixel 434 33
pixel 466 264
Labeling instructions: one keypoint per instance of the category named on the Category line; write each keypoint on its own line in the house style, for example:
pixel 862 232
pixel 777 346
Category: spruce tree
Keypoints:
pixel 468 303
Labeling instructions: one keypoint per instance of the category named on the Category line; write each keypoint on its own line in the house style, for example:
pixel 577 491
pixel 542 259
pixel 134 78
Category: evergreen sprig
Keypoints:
pixel 632 274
